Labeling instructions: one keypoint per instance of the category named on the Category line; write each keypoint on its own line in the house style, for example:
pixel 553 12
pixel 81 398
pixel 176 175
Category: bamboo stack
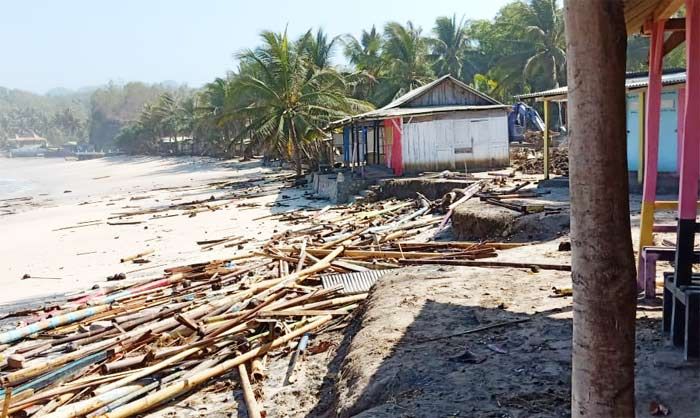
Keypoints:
pixel 126 349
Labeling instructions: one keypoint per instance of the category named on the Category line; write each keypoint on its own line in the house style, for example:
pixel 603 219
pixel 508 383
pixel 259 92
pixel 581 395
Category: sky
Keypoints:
pixel 70 44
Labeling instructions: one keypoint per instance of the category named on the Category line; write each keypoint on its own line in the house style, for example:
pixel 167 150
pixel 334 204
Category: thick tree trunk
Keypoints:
pixel 603 271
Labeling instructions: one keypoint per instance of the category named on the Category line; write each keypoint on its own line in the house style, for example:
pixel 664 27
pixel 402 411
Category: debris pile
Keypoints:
pixel 131 346
pixel 528 161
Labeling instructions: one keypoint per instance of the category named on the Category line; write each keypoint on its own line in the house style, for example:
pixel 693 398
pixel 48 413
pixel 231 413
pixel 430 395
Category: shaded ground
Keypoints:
pixel 389 369
pixel 477 220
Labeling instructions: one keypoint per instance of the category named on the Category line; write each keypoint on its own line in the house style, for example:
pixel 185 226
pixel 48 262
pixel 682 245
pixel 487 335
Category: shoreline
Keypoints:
pixel 74 233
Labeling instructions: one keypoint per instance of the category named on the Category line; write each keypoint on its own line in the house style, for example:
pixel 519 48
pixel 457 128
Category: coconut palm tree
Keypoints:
pixel 289 99
pixel 546 33
pixel 405 53
pixel 318 49
pixel 448 46
pixel 365 55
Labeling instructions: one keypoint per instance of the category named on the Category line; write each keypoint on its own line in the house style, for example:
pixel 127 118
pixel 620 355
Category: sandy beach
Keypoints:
pixel 61 231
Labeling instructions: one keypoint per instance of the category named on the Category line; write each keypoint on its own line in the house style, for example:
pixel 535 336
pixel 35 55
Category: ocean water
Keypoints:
pixel 10 187
pixel 12 183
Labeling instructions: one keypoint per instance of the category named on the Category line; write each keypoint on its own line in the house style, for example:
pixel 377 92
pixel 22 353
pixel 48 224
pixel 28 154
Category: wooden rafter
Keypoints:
pixel 639 12
pixel 673 41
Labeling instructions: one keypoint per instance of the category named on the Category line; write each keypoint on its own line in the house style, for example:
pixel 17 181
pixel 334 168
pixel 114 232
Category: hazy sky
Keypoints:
pixel 75 43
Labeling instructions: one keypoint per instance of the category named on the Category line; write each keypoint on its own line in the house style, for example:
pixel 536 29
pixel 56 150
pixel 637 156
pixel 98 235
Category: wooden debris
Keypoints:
pixel 137 256
pixel 122 350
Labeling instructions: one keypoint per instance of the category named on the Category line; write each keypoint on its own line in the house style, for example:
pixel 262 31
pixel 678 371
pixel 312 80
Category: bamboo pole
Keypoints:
pixel 6 402
pixel 250 401
pixel 364 254
pixel 490 264
pixel 136 256
pixel 183 386
pixel 53 404
pixel 82 408
pixel 341 240
pixel 19 333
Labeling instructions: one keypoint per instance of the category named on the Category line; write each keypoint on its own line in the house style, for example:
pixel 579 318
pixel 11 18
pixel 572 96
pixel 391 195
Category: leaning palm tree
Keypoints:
pixel 449 45
pixel 546 32
pixel 405 54
pixel 286 98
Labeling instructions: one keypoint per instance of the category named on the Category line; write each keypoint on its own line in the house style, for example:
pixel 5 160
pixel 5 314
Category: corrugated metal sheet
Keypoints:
pixel 353 283
pixel 381 114
pixel 630 83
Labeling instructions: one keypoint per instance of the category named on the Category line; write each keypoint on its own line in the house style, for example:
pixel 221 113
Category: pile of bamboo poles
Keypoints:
pixel 123 350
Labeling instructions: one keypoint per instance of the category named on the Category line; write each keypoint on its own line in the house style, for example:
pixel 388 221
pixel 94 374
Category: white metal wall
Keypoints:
pixel 468 140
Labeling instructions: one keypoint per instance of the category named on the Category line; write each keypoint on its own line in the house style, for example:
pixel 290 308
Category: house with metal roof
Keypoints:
pixel 672 94
pixel 443 125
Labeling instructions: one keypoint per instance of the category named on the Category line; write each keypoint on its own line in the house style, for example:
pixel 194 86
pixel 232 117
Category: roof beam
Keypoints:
pixel 676 24
pixel 673 41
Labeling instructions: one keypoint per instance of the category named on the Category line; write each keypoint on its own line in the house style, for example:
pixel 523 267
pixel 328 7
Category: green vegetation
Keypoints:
pixel 286 90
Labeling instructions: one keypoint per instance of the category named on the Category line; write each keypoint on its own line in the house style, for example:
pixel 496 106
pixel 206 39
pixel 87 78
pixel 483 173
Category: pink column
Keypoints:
pixel 689 170
pixel 680 100
pixel 653 116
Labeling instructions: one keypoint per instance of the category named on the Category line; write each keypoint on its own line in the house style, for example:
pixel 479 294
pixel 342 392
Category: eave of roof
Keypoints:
pixel 630 83
pixel 638 12
pixel 381 114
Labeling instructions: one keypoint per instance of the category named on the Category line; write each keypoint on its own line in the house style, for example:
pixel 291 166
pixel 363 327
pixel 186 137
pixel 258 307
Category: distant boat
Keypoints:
pixel 27 152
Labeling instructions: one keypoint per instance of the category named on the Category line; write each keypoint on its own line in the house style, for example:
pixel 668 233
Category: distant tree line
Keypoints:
pixel 285 91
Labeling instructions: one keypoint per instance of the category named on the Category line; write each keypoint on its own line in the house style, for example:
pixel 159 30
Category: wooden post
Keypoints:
pixel 640 135
pixel 680 132
pixel 546 140
pixel 690 166
pixel 603 270
pixel 651 146
pixel 352 147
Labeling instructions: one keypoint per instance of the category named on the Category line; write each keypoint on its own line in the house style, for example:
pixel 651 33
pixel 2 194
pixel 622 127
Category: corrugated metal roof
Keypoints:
pixel 414 111
pixel 359 282
pixel 394 108
pixel 630 83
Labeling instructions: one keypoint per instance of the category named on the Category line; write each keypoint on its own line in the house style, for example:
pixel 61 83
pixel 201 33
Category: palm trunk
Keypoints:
pixel 296 147
pixel 603 271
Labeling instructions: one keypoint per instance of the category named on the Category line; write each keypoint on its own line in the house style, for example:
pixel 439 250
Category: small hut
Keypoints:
pixel 443 125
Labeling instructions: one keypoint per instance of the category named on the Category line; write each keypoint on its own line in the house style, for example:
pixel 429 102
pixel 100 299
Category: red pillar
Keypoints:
pixel 690 153
pixel 680 132
pixel 653 110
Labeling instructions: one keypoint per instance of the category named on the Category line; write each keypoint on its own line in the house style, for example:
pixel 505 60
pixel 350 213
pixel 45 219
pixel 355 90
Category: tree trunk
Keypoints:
pixel 296 147
pixel 603 271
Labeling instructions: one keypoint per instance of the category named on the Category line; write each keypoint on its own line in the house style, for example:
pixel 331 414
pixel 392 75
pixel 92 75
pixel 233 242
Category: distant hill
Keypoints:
pixel 94 113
